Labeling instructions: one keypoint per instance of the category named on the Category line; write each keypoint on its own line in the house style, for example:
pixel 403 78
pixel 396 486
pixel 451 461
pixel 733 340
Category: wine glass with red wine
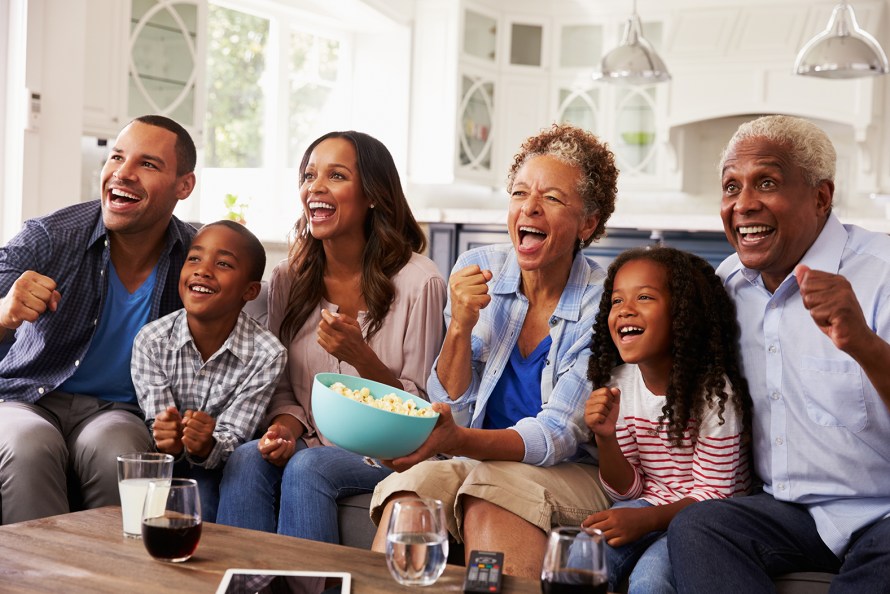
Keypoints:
pixel 171 519
pixel 575 562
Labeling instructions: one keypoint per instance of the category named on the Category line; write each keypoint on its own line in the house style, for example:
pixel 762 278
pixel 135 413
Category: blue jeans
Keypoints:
pixel 208 486
pixel 742 543
pixel 298 500
pixel 645 560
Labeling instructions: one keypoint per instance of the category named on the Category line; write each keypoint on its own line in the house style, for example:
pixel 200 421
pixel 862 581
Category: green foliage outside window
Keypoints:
pixel 235 63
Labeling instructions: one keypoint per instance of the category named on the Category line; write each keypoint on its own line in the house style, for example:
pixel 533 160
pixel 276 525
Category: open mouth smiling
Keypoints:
pixel 321 210
pixel 753 233
pixel 204 289
pixel 627 332
pixel 531 236
pixel 120 196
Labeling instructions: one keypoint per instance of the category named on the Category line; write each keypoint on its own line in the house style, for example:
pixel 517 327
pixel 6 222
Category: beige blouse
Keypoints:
pixel 407 343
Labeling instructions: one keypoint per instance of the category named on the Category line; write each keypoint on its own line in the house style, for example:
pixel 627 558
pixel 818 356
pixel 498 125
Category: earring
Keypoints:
pixel 580 244
pixel 372 206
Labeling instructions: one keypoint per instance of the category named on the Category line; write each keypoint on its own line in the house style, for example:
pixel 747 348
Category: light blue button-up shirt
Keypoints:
pixel 821 431
pixel 558 431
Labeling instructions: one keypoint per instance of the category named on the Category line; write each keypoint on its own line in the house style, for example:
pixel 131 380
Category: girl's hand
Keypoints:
pixel 620 526
pixel 167 431
pixel 341 336
pixel 277 445
pixel 601 411
pixel 469 294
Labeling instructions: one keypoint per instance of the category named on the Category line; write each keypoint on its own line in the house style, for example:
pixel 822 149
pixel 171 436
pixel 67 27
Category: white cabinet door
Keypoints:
pixel 105 69
pixel 144 56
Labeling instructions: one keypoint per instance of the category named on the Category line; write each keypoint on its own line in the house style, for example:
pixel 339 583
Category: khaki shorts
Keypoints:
pixel 564 494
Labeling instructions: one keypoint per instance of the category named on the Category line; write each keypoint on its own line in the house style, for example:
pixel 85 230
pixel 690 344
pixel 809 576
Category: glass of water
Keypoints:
pixel 417 541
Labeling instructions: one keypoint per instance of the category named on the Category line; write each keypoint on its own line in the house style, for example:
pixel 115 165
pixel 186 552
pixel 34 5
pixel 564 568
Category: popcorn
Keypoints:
pixel 391 402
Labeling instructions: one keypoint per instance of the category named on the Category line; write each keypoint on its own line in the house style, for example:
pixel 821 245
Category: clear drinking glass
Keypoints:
pixel 171 519
pixel 417 541
pixel 134 471
pixel 575 562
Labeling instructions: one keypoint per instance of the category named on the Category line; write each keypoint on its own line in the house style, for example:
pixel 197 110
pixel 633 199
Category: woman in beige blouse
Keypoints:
pixel 354 297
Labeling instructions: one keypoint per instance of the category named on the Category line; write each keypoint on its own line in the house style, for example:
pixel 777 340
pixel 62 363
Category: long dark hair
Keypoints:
pixel 391 232
pixel 704 345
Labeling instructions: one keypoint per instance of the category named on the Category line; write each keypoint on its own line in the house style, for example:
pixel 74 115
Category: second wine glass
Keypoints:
pixel 574 563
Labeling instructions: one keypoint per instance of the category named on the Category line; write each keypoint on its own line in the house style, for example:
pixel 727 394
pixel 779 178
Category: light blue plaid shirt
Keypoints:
pixel 821 431
pixel 233 386
pixel 558 431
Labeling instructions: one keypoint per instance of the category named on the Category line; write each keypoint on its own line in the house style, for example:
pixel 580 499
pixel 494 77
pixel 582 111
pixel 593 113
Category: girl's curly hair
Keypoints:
pixel 704 334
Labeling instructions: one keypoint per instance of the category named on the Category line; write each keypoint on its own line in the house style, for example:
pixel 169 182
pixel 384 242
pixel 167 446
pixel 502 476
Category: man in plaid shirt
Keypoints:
pixel 204 374
pixel 76 287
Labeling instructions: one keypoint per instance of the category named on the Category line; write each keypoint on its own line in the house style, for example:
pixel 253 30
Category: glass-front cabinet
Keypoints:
pixel 163 61
pixel 505 74
pixel 635 123
pixel 155 63
pixel 476 113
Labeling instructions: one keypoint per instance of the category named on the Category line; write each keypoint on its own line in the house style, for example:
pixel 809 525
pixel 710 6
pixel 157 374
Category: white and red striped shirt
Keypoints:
pixel 712 465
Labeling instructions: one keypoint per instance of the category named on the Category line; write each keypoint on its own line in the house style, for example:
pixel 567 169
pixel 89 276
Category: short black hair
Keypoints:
pixel 186 154
pixel 255 250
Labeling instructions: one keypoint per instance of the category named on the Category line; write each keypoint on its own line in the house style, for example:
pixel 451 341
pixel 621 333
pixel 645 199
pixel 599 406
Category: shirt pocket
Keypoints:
pixel 834 393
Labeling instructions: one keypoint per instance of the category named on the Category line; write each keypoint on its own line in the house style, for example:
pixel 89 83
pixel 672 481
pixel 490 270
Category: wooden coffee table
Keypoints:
pixel 87 552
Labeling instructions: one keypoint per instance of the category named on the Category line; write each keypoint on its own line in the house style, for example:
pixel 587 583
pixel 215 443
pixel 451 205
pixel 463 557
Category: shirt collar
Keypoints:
pixel 236 343
pixel 569 306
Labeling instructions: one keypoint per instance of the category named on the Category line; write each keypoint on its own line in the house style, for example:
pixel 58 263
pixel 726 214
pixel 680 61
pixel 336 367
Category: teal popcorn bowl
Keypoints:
pixel 363 429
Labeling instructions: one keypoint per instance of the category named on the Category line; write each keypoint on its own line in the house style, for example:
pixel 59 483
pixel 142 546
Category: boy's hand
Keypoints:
pixel 341 336
pixel 620 526
pixel 197 433
pixel 601 411
pixel 167 431
pixel 277 445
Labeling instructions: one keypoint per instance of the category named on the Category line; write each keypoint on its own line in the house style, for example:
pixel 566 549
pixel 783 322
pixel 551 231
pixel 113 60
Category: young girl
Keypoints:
pixel 670 407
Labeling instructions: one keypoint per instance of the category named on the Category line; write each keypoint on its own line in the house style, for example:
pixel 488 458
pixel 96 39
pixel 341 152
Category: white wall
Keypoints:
pixel 44 150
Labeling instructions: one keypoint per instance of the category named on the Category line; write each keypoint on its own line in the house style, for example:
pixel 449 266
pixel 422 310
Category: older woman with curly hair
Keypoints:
pixel 511 379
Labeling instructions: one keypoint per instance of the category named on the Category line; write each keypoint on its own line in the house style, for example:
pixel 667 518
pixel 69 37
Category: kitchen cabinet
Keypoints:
pixel 514 74
pixel 144 56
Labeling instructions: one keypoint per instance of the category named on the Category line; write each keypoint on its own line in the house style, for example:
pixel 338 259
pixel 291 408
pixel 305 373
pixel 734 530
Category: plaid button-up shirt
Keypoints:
pixel 233 386
pixel 71 247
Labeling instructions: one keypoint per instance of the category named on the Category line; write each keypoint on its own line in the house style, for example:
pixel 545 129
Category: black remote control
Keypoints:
pixel 484 571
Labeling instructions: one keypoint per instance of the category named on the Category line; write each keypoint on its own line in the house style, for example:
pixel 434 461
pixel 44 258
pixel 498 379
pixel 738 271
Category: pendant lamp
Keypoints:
pixel 842 50
pixel 634 61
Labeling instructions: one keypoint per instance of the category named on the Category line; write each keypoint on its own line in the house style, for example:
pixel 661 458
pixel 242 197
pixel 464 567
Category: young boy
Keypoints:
pixel 204 374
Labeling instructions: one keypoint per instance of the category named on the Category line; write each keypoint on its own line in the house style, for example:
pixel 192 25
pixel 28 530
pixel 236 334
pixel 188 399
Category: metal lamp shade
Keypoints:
pixel 843 50
pixel 635 61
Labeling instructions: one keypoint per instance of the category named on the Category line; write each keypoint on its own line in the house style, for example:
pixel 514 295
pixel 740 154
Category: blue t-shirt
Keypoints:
pixel 105 369
pixel 517 394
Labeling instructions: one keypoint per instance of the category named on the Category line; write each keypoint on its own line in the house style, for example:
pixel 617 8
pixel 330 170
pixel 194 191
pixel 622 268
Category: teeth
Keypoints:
pixel 201 289
pixel 117 192
pixel 321 205
pixel 628 329
pixel 532 230
pixel 754 229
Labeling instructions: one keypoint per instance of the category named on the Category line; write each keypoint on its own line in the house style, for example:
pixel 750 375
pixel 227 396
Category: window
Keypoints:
pixel 276 81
